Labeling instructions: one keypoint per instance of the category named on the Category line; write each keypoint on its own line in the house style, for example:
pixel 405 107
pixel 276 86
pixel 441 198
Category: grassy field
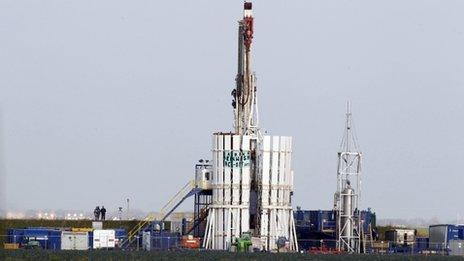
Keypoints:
pixel 13 255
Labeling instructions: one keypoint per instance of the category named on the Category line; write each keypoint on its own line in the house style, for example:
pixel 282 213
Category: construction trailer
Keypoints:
pixel 447 238
pixel 252 173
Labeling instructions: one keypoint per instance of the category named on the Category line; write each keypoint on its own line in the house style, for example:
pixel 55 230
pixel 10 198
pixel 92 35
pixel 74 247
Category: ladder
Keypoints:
pixel 367 239
pixel 188 190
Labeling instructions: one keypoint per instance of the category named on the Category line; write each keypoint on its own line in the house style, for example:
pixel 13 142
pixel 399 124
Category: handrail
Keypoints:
pixel 151 217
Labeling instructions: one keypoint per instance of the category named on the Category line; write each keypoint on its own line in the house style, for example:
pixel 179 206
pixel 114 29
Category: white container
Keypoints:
pixel 104 238
pixel 74 240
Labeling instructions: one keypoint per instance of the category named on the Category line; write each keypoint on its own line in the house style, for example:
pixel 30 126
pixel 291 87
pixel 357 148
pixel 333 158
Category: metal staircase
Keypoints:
pixel 187 191
pixel 201 217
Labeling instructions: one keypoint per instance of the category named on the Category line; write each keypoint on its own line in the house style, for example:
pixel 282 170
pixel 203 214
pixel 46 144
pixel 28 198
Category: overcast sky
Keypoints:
pixel 103 100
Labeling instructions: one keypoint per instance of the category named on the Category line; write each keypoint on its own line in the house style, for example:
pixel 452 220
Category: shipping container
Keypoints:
pixel 120 235
pixel 47 238
pixel 104 238
pixel 400 237
pixel 323 220
pixel 74 240
pixel 422 244
pixel 36 234
pixel 440 235
pixel 54 240
pixel 15 236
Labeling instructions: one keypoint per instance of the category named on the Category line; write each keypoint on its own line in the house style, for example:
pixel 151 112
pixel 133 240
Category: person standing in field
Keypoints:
pixel 103 212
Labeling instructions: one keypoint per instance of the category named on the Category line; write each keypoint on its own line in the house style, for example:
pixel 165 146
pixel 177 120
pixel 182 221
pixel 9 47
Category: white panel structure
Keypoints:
pixel 229 215
pixel 245 182
pixel 265 190
pixel 277 183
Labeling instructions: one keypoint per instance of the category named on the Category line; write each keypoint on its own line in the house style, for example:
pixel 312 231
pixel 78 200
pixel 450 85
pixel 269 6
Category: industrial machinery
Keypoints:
pixel 190 242
pixel 252 173
pixel 346 200
pixel 243 243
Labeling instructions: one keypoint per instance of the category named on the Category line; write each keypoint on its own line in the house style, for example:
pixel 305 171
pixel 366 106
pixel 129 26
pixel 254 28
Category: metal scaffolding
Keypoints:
pixel 347 197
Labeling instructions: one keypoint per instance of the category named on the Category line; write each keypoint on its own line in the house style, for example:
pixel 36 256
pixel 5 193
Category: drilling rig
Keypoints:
pixel 252 177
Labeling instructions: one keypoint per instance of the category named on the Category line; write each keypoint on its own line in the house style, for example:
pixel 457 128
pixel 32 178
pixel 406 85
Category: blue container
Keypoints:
pixel 48 238
pixel 453 232
pixel 120 234
pixel 38 234
pixel 302 217
pixel 322 220
pixel 54 240
pixel 15 236
pixel 422 243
